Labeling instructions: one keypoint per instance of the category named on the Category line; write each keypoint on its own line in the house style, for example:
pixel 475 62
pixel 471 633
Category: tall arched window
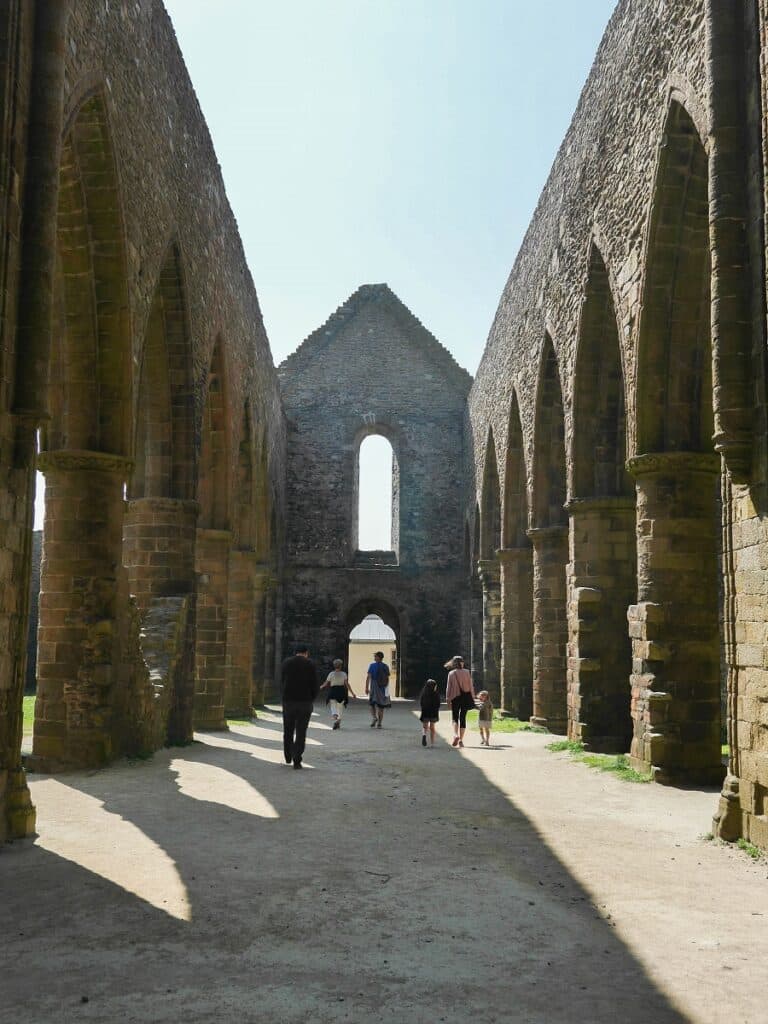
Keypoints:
pixel 376 495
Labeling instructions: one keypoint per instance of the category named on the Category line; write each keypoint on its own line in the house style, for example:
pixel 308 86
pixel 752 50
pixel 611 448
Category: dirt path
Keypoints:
pixel 383 883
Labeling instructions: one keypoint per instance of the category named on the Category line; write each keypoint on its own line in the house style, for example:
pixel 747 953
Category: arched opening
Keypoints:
pixel 376 526
pixel 164 436
pixel 82 717
pixel 374 625
pixel 549 480
pixel 213 549
pixel 550 548
pixel 244 581
pixel 516 578
pixel 676 684
pixel 490 542
pixel 476 605
pixel 602 578
pixel 213 468
pixel 160 518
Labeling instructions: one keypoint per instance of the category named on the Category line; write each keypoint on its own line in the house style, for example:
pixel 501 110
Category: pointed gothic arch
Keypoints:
pixel 602 579
pixel 516 591
pixel 677 476
pixel 550 542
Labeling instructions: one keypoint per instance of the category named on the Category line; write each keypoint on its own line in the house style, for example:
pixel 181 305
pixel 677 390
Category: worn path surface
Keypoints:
pixel 383 883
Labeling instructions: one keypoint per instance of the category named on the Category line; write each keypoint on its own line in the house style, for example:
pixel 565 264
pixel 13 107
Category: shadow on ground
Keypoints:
pixel 382 883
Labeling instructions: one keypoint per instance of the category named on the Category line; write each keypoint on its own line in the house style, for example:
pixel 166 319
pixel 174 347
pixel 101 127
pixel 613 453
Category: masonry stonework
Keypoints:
pixel 585 521
pixel 374 369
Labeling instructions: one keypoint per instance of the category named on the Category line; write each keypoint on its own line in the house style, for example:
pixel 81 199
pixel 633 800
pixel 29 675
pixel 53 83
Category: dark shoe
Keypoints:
pixel 373 724
pixel 297 764
pixel 336 725
pixel 423 741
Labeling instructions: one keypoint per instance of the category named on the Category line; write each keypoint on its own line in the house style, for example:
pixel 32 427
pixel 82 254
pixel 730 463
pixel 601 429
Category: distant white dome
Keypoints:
pixel 373 628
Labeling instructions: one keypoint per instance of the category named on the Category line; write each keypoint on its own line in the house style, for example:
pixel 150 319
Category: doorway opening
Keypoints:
pixel 370 628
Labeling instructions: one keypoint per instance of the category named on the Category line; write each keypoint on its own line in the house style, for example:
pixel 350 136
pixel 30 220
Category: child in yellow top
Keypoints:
pixel 485 717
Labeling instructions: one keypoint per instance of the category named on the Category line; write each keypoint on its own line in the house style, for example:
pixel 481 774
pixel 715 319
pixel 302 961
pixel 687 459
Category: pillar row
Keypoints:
pixel 674 626
pixel 490 579
pixel 159 536
pixel 602 584
pixel 212 568
pixel 247 581
pixel 78 635
pixel 516 586
pixel 550 629
pixel 270 612
pixel 260 692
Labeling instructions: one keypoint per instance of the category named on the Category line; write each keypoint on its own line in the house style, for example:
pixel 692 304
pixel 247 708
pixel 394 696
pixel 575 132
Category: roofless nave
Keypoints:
pixel 587 517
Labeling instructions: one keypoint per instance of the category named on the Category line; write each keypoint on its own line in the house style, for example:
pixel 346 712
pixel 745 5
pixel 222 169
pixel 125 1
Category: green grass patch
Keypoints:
pixel 617 764
pixel 240 721
pixel 572 746
pixel 29 713
pixel 749 848
pixel 505 724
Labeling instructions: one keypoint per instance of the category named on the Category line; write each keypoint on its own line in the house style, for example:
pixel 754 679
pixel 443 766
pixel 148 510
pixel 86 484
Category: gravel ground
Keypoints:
pixel 385 882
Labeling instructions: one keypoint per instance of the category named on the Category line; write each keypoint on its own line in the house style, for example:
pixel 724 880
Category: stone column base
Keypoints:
pixel 20 814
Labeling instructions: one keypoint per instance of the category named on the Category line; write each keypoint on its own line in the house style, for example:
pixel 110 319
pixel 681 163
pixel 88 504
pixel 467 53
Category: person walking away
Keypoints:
pixel 299 687
pixel 460 694
pixel 485 717
pixel 376 683
pixel 430 711
pixel 339 692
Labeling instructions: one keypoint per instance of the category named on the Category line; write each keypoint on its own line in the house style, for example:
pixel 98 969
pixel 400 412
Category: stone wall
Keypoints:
pixel 374 369
pixel 641 282
pixel 133 340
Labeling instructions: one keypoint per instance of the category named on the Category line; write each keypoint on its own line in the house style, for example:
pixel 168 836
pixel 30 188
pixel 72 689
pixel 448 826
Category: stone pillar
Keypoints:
pixel 550 630
pixel 259 688
pixel 491 583
pixel 674 626
pixel 78 641
pixel 602 584
pixel 474 656
pixel 212 567
pixel 159 554
pixel 516 584
pixel 270 611
pixel 241 639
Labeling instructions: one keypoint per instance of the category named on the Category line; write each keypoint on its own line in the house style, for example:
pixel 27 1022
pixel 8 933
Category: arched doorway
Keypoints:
pixel 374 625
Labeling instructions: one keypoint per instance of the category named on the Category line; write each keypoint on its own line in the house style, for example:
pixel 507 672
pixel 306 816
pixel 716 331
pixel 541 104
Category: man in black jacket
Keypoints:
pixel 299 688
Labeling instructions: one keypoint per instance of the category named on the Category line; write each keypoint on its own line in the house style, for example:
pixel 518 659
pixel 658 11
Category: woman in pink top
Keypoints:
pixel 460 694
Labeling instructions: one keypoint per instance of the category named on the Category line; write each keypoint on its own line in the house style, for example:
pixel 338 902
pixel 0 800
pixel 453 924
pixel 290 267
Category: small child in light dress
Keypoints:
pixel 430 712
pixel 339 692
pixel 485 717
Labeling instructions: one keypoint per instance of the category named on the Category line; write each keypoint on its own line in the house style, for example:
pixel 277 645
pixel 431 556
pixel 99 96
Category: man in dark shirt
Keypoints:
pixel 299 687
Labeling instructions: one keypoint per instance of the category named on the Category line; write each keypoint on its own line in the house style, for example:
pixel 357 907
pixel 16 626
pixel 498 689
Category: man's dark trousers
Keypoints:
pixel 296 716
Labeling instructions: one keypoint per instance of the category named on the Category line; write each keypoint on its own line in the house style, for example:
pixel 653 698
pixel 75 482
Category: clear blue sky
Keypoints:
pixel 404 141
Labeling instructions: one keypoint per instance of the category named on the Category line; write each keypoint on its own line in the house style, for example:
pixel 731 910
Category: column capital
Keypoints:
pixel 608 503
pixel 541 534
pixel 508 556
pixel 653 463
pixel 70 460
pixel 185 506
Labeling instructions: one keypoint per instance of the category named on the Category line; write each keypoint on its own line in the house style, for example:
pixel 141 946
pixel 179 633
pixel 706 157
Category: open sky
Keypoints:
pixel 404 141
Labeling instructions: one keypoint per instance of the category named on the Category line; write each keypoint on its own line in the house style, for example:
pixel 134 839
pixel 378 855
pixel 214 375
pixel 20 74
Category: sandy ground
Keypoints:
pixel 383 883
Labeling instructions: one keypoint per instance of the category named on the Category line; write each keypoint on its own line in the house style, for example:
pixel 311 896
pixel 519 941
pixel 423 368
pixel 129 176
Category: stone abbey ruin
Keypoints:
pixel 588 517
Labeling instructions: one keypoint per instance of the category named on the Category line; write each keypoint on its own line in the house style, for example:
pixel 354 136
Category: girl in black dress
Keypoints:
pixel 430 712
